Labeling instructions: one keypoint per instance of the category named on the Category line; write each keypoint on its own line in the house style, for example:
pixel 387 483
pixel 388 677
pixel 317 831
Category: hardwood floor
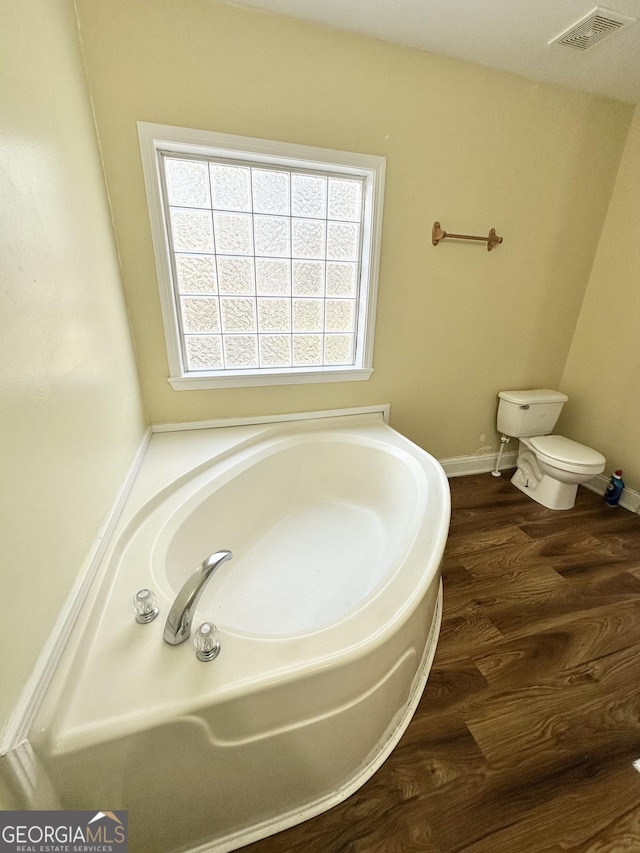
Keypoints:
pixel 526 733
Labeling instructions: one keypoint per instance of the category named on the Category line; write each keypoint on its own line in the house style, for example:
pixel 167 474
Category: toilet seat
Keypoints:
pixel 560 452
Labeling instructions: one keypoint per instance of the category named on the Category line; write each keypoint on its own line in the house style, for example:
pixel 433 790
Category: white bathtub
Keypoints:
pixel 328 615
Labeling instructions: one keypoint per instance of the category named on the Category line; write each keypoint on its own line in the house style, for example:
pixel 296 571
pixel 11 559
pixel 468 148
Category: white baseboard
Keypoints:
pixel 19 723
pixel 629 499
pixel 462 466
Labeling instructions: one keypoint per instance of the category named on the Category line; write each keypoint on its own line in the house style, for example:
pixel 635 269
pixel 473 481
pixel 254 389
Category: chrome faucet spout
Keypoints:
pixel 178 625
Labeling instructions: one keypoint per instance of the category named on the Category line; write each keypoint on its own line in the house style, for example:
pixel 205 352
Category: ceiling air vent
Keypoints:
pixel 592 28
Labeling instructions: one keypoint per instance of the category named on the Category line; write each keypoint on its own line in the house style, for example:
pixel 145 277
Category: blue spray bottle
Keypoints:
pixel 614 489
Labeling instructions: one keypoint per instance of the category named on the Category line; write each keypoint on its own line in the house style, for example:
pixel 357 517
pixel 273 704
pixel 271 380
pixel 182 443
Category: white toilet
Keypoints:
pixel 550 467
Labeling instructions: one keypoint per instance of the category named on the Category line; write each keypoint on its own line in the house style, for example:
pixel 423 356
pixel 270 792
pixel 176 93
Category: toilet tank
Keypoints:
pixel 525 413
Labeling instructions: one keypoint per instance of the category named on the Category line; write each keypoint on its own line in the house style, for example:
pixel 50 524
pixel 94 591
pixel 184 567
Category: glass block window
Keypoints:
pixel 268 262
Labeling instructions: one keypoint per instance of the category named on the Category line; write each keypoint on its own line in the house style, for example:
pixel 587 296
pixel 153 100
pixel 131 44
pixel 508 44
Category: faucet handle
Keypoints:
pixel 206 642
pixel 144 605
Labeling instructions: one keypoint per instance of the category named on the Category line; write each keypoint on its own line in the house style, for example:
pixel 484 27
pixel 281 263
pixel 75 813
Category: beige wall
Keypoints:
pixel 71 415
pixel 470 147
pixel 602 373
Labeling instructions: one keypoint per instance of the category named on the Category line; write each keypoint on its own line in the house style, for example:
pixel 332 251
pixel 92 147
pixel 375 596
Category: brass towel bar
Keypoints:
pixel 438 234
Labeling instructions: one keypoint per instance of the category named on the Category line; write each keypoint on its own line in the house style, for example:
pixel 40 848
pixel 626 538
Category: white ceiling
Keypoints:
pixel 511 35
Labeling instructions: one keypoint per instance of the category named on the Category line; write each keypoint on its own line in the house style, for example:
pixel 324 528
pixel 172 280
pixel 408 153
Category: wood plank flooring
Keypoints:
pixel 526 733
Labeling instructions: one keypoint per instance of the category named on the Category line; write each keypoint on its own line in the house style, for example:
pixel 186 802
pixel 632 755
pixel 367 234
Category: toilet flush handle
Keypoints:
pixel 525 406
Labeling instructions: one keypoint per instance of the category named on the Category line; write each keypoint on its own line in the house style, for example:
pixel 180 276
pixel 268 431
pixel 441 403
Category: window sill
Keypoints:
pixel 245 379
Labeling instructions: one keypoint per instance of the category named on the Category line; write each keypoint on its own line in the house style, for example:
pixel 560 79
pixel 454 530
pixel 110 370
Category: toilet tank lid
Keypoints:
pixel 539 395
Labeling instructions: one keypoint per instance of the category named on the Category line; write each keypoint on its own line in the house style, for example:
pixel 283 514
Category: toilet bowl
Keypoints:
pixel 549 467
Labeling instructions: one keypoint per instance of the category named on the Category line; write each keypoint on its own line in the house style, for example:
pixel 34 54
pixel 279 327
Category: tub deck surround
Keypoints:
pixel 328 616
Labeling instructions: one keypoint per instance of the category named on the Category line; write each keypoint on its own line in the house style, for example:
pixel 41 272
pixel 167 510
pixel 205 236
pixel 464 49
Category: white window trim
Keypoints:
pixel 157 137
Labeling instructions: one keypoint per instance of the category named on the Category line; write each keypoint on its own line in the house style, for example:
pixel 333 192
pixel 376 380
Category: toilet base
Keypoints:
pixel 540 486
